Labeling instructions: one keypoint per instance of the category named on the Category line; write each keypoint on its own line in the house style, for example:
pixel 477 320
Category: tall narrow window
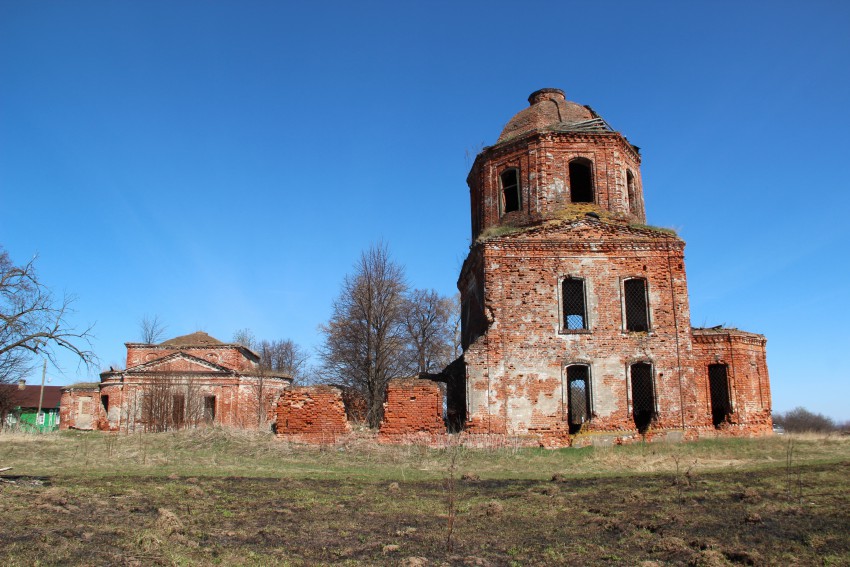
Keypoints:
pixel 643 395
pixel 209 409
pixel 104 401
pixel 637 314
pixel 510 190
pixel 630 187
pixel 578 396
pixel 572 295
pixel 581 181
pixel 718 385
pixel 178 410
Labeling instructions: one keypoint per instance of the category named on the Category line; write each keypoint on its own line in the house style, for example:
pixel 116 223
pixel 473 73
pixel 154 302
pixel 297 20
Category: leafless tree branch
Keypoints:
pixel 152 329
pixel 364 339
pixel 34 322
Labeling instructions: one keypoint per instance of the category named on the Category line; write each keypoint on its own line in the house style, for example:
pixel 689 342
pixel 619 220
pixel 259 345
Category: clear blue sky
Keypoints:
pixel 222 164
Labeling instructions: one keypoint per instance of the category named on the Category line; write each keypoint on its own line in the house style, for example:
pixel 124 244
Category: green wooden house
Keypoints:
pixel 24 413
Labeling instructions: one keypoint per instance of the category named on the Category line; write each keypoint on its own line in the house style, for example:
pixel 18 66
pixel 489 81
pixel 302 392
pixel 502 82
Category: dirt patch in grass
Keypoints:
pixel 221 497
pixel 125 520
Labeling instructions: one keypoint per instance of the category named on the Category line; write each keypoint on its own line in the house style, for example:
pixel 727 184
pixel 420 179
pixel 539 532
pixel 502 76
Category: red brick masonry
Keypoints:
pixel 413 411
pixel 312 414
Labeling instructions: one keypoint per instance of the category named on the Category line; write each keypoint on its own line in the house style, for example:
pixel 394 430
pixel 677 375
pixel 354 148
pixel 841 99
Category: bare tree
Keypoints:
pixel 277 357
pixel 152 329
pixel 246 338
pixel 428 321
pixel 457 341
pixel 194 402
pixel 35 323
pixel 283 356
pixel 170 403
pixel 158 399
pixel 364 339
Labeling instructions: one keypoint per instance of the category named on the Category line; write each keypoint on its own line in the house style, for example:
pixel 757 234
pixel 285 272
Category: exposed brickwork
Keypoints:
pixel 80 407
pixel 517 348
pixel 413 410
pixel 201 380
pixel 200 345
pixel 541 148
pixel 516 373
pixel 749 384
pixel 312 414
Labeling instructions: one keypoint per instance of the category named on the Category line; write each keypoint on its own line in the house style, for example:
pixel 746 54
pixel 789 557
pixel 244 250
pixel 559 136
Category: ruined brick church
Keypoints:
pixel 575 316
pixel 574 312
pixel 187 381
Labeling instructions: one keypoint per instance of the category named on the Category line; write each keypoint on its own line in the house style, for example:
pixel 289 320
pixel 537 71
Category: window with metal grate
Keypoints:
pixel 572 296
pixel 578 396
pixel 718 384
pixel 637 312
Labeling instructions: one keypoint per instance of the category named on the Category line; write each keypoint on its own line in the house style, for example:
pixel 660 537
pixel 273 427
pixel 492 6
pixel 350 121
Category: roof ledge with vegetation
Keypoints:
pixel 569 215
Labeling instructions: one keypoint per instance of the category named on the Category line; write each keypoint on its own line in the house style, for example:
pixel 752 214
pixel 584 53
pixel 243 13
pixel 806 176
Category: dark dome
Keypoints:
pixel 550 110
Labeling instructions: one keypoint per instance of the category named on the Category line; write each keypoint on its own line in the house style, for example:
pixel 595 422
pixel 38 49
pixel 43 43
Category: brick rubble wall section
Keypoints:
pixel 81 408
pixel 413 406
pixel 312 414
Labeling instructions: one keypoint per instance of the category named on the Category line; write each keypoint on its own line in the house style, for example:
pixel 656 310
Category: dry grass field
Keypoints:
pixel 218 497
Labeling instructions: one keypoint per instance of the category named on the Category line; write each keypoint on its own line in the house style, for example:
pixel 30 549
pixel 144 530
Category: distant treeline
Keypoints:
pixel 801 420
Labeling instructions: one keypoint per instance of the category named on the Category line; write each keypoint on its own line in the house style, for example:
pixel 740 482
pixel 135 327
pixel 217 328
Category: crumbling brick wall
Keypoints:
pixel 312 414
pixel 571 208
pixel 516 370
pixel 744 355
pixel 414 407
pixel 542 159
pixel 80 408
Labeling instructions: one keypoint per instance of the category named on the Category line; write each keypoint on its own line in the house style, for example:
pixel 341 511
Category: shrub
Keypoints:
pixel 800 420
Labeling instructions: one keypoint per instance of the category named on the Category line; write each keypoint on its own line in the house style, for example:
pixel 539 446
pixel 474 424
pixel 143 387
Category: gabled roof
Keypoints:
pixel 28 397
pixel 195 361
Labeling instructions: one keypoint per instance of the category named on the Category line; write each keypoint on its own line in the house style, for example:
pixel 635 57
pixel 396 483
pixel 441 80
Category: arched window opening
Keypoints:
pixel 632 193
pixel 578 396
pixel 718 385
pixel 510 190
pixel 572 296
pixel 581 181
pixel 637 312
pixel 643 395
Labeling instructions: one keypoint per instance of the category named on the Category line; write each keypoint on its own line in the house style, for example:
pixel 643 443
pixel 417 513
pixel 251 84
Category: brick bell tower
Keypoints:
pixel 575 315
pixel 551 155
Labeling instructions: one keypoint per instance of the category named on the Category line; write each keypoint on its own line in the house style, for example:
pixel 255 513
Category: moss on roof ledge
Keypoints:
pixel 569 214
pixel 82 386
